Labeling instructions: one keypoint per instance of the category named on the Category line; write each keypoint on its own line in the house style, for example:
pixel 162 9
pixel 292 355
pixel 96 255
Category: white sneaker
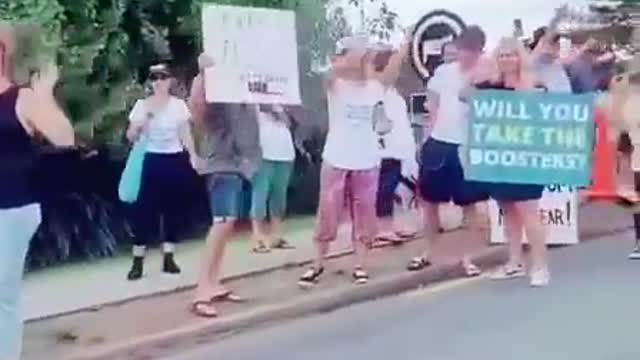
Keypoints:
pixel 508 272
pixel 635 254
pixel 540 278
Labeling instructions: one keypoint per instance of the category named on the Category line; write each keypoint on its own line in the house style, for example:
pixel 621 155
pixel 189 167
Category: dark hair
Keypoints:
pixel 539 33
pixel 472 38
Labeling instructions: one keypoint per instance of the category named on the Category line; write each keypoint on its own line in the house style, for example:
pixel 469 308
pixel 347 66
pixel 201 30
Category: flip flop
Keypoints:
pixel 282 244
pixel 418 264
pixel 387 240
pixel 471 270
pixel 209 310
pixel 404 234
pixel 261 248
pixel 229 296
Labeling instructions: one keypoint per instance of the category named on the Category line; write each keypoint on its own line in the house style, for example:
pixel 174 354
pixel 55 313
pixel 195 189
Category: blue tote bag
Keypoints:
pixel 131 178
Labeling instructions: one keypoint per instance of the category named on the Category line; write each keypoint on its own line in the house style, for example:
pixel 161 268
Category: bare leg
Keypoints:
pixel 535 233
pixel 385 227
pixel 259 234
pixel 431 226
pixel 276 229
pixel 471 227
pixel 513 230
pixel 211 266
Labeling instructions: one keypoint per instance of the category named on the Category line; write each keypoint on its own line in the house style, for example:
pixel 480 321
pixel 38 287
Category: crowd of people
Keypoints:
pixel 248 150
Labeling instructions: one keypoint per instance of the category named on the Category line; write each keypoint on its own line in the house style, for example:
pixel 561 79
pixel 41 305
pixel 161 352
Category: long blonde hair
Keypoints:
pixel 513 45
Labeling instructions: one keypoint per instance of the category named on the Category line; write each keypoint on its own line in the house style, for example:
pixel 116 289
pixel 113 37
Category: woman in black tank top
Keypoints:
pixel 23 112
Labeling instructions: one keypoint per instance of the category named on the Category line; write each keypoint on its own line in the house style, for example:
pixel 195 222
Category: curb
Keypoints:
pixel 320 302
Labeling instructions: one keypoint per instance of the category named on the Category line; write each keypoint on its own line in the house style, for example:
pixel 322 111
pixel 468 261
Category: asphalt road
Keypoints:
pixel 590 312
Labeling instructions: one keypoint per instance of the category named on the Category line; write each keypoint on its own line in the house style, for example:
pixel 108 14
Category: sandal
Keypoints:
pixel 406 234
pixel 419 263
pixel 282 244
pixel 204 309
pixel 229 296
pixel 261 248
pixel 393 239
pixel 471 270
pixel 360 277
pixel 310 277
pixel 508 272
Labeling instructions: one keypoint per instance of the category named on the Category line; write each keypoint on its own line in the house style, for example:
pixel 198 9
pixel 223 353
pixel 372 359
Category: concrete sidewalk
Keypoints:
pixel 90 285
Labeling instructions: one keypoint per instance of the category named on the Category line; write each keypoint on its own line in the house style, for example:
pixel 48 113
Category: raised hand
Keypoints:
pixel 205 62
pixel 45 80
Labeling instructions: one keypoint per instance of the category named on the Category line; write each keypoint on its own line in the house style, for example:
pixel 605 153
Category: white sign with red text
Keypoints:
pixel 255 53
pixel 558 214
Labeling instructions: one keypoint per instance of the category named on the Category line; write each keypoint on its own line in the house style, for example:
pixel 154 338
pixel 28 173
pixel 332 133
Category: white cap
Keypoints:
pixel 352 43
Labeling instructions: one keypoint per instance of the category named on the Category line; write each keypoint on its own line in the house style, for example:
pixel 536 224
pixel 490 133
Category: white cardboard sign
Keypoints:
pixel 558 213
pixel 256 55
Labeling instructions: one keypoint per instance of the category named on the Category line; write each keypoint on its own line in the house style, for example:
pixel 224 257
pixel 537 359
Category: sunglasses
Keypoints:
pixel 158 76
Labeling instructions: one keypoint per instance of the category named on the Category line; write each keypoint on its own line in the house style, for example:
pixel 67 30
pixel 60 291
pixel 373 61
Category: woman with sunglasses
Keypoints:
pixel 351 157
pixel 24 112
pixel 164 122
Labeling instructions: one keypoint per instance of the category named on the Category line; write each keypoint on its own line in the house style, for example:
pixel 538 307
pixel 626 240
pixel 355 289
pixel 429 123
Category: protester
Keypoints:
pixel 545 61
pixel 397 151
pixel 582 68
pixel 163 120
pixel 519 202
pixel 231 155
pixel 24 112
pixel 351 158
pixel 270 183
pixel 441 172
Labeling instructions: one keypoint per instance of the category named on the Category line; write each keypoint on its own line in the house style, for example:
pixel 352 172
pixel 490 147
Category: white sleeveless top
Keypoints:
pixel 351 141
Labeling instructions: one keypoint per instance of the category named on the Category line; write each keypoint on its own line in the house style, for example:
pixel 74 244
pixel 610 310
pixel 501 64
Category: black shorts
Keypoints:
pixel 442 177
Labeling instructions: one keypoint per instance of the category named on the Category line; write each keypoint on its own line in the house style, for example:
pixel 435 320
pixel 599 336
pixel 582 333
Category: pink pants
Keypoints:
pixel 357 190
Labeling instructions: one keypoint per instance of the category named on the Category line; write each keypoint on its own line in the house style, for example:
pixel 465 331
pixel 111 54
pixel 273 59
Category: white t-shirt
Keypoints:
pixel 163 125
pixel 275 139
pixel 399 144
pixel 352 144
pixel 451 124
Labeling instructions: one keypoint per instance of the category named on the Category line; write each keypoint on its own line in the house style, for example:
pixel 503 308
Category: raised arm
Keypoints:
pixel 390 74
pixel 38 109
pixel 197 99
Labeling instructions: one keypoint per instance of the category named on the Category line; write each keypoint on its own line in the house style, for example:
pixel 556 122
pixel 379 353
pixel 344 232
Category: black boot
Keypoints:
pixel 136 269
pixel 169 265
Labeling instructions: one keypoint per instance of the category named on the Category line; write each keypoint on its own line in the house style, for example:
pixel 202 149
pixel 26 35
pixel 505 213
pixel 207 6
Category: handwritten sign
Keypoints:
pixel 530 138
pixel 558 214
pixel 256 56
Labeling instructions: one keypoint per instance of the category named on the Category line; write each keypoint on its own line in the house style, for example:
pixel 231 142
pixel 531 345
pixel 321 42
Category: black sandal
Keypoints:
pixel 282 244
pixel 310 277
pixel 418 264
pixel 360 277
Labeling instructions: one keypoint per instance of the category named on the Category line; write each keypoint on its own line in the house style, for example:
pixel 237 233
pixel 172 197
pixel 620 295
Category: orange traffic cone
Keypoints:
pixel 603 176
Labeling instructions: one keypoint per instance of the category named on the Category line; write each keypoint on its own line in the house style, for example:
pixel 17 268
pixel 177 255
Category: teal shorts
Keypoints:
pixel 270 185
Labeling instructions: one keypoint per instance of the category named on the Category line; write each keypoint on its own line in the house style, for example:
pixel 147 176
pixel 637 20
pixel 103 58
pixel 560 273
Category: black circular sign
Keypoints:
pixel 433 31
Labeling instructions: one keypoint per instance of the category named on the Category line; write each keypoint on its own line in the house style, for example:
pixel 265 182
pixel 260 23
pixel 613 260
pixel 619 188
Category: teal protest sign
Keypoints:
pixel 530 138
